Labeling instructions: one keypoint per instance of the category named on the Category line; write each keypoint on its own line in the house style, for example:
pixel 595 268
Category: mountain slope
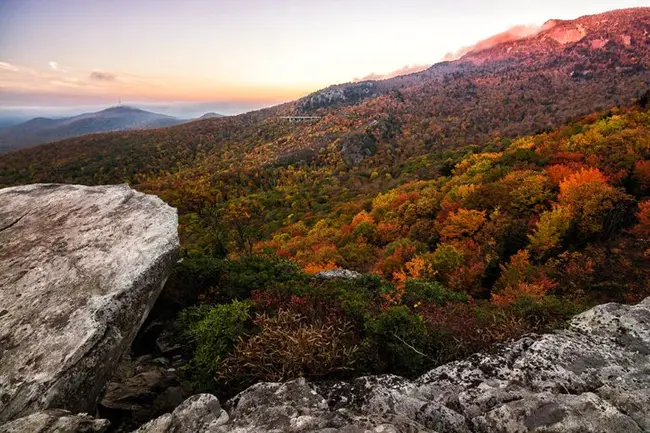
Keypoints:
pixel 478 218
pixel 42 130
pixel 569 69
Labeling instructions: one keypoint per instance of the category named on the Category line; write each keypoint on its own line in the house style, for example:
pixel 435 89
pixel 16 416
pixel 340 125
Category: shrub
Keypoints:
pixel 548 312
pixel 256 272
pixel 418 291
pixel 398 341
pixel 216 280
pixel 289 345
pixel 191 278
pixel 213 330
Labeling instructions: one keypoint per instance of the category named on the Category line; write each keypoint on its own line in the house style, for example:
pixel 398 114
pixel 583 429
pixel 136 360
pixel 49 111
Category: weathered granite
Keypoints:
pixel 80 268
pixel 593 376
pixel 199 413
pixel 56 421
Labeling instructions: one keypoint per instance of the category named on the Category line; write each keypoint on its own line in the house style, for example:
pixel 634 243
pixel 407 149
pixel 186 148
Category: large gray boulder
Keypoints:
pixel 80 269
pixel 593 376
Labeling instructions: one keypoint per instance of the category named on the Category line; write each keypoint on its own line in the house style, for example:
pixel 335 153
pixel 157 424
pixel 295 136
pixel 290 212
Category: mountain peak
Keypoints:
pixel 210 115
pixel 120 108
pixel 117 118
pixel 621 28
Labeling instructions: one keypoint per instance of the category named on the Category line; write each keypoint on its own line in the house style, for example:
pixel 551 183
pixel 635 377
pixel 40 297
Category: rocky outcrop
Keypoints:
pixel 593 376
pixel 80 268
pixel 56 421
pixel 344 274
pixel 356 147
pixel 342 94
pixel 199 413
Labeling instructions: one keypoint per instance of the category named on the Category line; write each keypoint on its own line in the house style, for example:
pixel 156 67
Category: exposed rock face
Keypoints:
pixel 358 146
pixel 342 94
pixel 80 268
pixel 56 421
pixel 199 413
pixel 592 377
pixel 344 274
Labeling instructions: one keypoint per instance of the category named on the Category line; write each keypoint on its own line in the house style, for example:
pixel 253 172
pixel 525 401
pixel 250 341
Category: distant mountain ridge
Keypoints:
pixel 210 115
pixel 566 70
pixel 42 130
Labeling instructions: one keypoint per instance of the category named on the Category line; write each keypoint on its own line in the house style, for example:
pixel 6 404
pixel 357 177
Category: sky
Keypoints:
pixel 186 56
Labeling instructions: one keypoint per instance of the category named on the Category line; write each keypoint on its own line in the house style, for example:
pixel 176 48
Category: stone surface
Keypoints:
pixel 338 273
pixel 80 268
pixel 199 413
pixel 148 390
pixel 56 421
pixel 593 376
pixel 139 392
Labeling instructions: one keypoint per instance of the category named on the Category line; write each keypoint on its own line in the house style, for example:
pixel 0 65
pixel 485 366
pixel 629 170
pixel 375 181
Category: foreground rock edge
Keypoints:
pixel 593 376
pixel 114 242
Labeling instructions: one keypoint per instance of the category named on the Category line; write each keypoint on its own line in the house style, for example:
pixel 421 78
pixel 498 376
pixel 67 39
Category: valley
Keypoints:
pixel 474 202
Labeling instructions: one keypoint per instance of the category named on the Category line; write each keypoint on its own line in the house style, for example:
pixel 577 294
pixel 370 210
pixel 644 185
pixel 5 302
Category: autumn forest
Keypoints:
pixel 478 201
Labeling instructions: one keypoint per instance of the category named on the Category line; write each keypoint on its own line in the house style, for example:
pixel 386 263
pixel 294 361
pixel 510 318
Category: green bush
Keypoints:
pixel 416 291
pixel 257 272
pixel 191 278
pixel 549 312
pixel 213 331
pixel 398 340
pixel 221 280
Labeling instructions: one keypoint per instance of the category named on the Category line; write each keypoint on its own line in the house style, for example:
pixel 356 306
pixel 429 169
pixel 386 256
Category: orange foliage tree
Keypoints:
pixel 642 228
pixel 589 198
pixel 520 278
pixel 462 223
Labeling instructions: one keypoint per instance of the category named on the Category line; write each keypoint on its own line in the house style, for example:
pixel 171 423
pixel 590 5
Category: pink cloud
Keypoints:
pixel 408 69
pixel 513 34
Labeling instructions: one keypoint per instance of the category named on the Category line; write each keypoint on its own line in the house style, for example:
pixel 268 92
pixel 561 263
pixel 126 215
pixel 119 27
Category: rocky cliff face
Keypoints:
pixel 592 377
pixel 80 268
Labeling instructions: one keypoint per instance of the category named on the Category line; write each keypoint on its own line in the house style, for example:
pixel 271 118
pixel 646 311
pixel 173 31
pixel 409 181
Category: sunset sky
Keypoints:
pixel 234 55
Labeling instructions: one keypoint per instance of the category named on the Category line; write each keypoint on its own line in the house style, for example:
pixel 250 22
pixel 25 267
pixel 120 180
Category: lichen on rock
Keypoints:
pixel 593 376
pixel 80 269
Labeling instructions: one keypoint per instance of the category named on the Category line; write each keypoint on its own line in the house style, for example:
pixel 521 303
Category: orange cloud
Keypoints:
pixel 402 71
pixel 513 34
pixel 79 84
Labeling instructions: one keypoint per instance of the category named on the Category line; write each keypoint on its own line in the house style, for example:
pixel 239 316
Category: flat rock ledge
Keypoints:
pixel 80 269
pixel 593 376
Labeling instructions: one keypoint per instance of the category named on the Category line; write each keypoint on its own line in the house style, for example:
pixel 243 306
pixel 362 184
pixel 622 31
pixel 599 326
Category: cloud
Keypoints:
pixel 102 76
pixel 56 67
pixel 513 34
pixel 8 67
pixel 408 69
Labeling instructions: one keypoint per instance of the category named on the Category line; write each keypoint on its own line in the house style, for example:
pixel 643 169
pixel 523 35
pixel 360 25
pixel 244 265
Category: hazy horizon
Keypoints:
pixel 181 109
